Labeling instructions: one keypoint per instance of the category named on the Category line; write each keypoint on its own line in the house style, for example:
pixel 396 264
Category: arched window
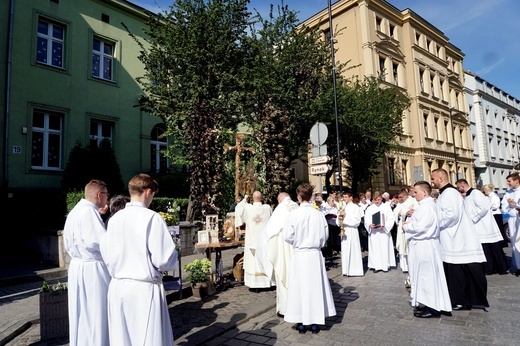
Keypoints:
pixel 158 143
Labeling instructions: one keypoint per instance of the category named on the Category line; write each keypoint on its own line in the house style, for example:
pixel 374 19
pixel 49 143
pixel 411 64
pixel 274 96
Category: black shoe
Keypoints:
pixel 419 308
pixel 315 329
pixel 427 313
pixel 295 327
pixel 279 315
pixel 461 307
pixel 302 329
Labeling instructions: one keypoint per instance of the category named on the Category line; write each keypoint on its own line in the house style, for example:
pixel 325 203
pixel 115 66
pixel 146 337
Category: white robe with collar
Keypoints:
pixel 428 281
pixel 514 224
pixel 381 254
pixel 351 257
pixel 88 277
pixel 137 250
pixel 309 296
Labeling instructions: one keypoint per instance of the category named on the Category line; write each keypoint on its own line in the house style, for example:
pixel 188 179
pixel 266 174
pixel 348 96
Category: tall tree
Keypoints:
pixel 288 67
pixel 193 58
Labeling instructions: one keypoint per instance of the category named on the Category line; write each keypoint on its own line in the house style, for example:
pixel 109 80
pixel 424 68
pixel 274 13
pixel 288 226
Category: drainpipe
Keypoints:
pixel 8 96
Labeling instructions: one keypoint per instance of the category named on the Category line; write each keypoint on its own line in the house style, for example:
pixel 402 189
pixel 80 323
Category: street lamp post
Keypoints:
pixel 342 231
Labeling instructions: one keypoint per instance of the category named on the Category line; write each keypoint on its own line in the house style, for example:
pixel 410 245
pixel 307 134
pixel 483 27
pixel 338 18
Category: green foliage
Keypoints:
pixel 192 82
pixel 198 270
pixel 92 162
pixel 175 185
pixel 160 204
pixel 370 117
pixel 73 197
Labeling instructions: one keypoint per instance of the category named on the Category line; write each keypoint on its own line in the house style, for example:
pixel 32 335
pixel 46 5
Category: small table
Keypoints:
pixel 218 247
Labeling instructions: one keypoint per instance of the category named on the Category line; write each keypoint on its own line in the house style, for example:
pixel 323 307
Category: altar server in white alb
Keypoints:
pixel 255 216
pixel 138 249
pixel 309 296
pixel 351 257
pixel 381 254
pixel 274 253
pixel 462 252
pixel 511 206
pixel 429 291
pixel 88 277
pixel 478 208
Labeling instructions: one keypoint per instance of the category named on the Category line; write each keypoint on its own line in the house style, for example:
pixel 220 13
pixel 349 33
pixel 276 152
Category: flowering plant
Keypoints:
pixel 58 287
pixel 198 270
pixel 171 215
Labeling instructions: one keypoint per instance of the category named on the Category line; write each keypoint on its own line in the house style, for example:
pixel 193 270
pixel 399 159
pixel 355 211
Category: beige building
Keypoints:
pixel 417 58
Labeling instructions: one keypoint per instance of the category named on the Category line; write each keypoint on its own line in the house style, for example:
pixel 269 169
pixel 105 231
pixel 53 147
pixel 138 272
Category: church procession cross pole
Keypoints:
pixel 238 147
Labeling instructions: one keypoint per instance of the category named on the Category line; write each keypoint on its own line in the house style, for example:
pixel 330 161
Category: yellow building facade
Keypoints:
pixel 416 57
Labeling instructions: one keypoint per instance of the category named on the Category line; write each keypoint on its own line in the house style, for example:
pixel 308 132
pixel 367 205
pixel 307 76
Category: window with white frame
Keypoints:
pixel 46 143
pixel 100 130
pixel 50 43
pixel 103 59
pixel 158 143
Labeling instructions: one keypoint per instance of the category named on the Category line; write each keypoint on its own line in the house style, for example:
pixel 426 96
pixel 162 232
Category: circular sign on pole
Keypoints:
pixel 319 133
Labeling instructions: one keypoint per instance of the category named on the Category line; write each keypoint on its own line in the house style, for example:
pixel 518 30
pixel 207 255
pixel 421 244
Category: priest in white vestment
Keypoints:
pixel 462 252
pixel 255 216
pixel 309 296
pixel 273 253
pixel 138 249
pixel 402 210
pixel 478 208
pixel 429 290
pixel 88 277
pixel 381 255
pixel 351 257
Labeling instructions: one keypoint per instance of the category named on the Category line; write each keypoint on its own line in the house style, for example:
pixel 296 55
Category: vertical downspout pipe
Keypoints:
pixel 8 96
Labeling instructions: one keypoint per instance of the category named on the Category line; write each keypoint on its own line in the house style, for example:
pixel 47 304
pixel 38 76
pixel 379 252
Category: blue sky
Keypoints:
pixel 483 29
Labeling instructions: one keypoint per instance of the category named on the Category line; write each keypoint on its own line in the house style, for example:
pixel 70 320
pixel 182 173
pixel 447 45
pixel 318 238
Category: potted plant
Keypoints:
pixel 198 276
pixel 54 315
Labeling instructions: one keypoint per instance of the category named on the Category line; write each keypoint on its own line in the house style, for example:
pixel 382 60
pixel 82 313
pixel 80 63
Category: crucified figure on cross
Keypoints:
pixel 239 148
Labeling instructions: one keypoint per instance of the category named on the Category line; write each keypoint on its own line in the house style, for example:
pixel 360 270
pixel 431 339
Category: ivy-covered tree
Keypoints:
pixel 193 60
pixel 288 67
pixel 370 122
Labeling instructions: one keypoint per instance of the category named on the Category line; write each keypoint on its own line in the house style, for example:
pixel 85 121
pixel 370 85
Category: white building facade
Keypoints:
pixel 494 117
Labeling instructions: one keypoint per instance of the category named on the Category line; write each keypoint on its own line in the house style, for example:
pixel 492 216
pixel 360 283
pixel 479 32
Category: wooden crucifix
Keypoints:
pixel 239 148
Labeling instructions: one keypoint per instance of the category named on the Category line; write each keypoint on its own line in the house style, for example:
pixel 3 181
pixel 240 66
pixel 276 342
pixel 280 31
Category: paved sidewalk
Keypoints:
pixel 372 310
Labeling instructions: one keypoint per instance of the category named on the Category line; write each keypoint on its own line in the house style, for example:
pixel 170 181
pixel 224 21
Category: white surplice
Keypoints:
pixel 458 237
pixel 274 254
pixel 309 296
pixel 381 254
pixel 351 257
pixel 401 245
pixel 88 277
pixel 255 216
pixel 428 281
pixel 138 249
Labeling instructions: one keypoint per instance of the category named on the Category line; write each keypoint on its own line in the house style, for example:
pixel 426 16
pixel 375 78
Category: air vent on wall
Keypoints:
pixel 105 18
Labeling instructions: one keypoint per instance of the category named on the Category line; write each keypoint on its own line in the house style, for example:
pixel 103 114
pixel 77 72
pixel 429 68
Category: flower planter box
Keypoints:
pixel 54 315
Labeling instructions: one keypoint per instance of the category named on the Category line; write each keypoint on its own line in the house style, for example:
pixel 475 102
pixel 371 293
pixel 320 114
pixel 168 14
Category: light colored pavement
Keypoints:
pixel 372 310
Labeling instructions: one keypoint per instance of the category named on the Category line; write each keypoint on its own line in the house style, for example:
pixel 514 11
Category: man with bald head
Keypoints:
pixel 255 216
pixel 462 252
pixel 273 253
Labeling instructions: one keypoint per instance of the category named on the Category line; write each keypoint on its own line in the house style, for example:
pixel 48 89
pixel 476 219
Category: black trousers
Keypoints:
pixel 467 284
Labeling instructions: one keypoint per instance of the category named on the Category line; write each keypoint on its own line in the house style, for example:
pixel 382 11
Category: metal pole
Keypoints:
pixel 341 213
pixel 454 145
pixel 335 96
